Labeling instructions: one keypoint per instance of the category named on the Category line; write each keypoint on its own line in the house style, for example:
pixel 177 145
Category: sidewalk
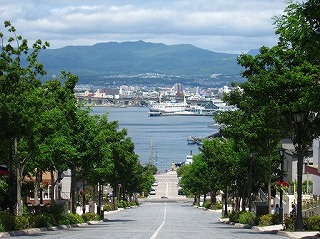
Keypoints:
pixel 277 229
pixel 33 231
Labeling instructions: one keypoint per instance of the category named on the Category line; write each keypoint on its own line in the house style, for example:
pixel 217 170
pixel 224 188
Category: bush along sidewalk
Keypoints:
pixel 48 217
pixel 51 216
pixel 13 223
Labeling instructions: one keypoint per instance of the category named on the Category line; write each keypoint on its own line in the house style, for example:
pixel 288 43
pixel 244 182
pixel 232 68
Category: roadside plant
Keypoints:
pixel 246 217
pixel 90 216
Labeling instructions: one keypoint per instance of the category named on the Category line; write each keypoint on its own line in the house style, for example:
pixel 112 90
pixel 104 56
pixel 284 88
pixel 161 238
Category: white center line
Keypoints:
pixel 155 234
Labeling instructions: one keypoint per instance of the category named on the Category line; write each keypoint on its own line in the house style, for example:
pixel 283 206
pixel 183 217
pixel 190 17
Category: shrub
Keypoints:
pixel 133 203
pixel 108 207
pixel 90 216
pixel 309 224
pixel 312 223
pixel 2 229
pixel 234 216
pixel 122 204
pixel 7 221
pixel 246 217
pixel 43 220
pixel 71 219
pixel 206 205
pixel 216 206
pixel 289 223
pixel 243 217
pixel 21 222
pixel 265 220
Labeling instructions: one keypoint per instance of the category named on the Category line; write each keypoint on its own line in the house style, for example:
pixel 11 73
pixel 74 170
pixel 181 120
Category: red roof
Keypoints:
pixel 312 169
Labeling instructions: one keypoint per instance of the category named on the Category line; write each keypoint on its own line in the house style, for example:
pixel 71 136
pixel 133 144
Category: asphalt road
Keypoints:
pixel 167 189
pixel 165 215
pixel 157 220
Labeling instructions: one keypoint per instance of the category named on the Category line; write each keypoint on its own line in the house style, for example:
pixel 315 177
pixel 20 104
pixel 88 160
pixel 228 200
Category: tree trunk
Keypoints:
pixel 73 190
pixel 213 196
pixel 11 179
pixel 19 207
pixel 269 185
pixel 83 197
pixel 36 187
pixel 52 201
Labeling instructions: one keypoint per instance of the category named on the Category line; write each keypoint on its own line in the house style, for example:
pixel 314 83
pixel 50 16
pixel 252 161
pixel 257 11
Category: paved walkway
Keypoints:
pixel 277 229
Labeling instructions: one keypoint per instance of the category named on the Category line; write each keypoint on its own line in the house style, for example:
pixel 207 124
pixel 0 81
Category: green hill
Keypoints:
pixel 132 58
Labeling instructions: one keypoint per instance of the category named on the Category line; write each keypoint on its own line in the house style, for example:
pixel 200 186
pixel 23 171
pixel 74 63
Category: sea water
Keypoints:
pixel 160 140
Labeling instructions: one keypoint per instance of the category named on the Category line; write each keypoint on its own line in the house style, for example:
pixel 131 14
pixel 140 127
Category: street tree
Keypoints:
pixel 282 81
pixel 196 179
pixel 18 111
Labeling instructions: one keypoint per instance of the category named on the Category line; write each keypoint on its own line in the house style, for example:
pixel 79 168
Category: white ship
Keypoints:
pixel 167 108
pixel 184 109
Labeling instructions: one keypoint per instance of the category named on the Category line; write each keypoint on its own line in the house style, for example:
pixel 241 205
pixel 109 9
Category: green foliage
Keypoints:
pixel 313 223
pixel 108 207
pixel 234 216
pixel 209 205
pixel 21 222
pixel 90 216
pixel 2 228
pixel 243 217
pixel 268 219
pixel 71 218
pixel 43 220
pixel 7 221
pixel 217 206
pixel 3 193
pixel 122 204
pixel 289 223
pixel 308 223
pixel 206 205
pixel 246 217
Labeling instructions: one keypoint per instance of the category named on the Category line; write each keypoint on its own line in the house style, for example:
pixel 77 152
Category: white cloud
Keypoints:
pixel 218 25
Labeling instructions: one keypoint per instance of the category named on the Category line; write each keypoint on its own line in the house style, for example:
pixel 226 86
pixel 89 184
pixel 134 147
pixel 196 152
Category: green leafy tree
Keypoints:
pixel 195 178
pixel 19 112
pixel 282 80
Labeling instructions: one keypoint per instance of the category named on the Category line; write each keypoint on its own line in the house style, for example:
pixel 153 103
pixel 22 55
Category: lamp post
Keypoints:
pixel 281 152
pixel 299 118
pixel 250 182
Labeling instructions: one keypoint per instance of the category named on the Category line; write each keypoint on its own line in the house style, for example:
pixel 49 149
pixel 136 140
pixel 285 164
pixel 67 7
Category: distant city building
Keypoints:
pixel 178 88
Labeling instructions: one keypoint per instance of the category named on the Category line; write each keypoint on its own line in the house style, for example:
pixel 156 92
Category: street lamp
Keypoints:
pixel 299 118
pixel 281 152
pixel 250 182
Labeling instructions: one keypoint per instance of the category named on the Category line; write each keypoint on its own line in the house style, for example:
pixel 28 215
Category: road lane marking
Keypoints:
pixel 155 234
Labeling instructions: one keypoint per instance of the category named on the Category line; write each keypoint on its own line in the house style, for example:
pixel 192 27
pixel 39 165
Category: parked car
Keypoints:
pixel 155 184
pixel 180 191
pixel 152 192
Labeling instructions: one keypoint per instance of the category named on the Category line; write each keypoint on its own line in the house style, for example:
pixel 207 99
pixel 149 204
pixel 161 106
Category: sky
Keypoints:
pixel 231 26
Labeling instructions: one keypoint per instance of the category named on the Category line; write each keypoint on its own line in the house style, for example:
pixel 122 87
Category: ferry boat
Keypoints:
pixel 184 109
pixel 167 108
pixel 189 159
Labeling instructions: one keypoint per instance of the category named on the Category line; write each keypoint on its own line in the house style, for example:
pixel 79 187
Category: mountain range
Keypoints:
pixel 101 62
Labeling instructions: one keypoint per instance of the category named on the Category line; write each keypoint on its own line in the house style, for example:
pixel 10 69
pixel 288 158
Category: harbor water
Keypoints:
pixel 160 140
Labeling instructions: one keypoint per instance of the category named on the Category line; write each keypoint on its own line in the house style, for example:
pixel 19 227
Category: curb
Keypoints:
pixel 275 229
pixel 309 235
pixel 32 231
